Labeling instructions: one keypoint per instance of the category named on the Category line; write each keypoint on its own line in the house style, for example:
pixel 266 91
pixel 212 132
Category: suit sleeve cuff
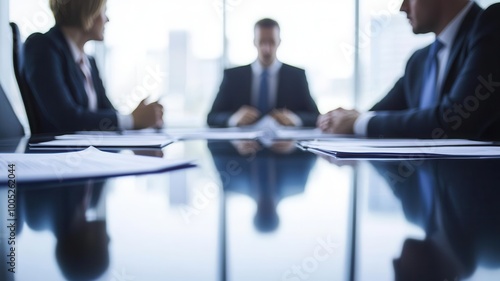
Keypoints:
pixel 361 124
pixel 125 122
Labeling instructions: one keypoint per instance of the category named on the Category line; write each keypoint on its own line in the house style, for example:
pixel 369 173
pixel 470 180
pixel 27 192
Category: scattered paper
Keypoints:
pixel 88 163
pixel 106 141
pixel 403 148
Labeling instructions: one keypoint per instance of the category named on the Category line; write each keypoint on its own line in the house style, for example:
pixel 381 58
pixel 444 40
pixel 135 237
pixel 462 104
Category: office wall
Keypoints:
pixel 7 77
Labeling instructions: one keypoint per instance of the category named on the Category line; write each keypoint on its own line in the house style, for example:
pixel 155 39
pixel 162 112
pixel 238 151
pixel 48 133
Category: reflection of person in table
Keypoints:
pixel 82 241
pixel 265 175
pixel 456 203
pixel 265 87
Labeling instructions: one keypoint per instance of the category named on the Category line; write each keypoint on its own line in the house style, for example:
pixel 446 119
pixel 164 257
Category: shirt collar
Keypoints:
pixel 257 68
pixel 75 51
pixel 450 31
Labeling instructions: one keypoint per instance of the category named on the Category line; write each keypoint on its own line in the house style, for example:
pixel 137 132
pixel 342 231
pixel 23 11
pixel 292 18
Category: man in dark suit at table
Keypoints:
pixel 265 87
pixel 448 88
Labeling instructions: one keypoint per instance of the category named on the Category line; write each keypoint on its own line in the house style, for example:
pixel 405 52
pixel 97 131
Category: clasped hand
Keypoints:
pixel 248 115
pixel 338 121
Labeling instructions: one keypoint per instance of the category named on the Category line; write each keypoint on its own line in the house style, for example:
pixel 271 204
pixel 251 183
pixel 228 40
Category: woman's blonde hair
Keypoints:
pixel 76 13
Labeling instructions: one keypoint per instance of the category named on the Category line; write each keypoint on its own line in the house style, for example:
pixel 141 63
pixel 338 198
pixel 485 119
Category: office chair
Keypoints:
pixel 10 126
pixel 26 93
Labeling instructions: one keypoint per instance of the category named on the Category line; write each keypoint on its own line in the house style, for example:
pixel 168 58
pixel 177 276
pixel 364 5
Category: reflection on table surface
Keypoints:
pixel 255 211
pixel 455 204
pixel 265 174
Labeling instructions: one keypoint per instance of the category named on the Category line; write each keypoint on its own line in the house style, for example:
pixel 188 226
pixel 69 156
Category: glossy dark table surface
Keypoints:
pixel 249 212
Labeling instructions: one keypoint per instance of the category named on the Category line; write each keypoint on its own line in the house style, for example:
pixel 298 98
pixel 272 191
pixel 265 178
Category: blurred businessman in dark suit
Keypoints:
pixel 448 89
pixel 265 87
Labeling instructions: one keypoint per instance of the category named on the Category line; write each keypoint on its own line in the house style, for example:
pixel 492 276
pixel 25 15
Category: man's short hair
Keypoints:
pixel 266 23
pixel 76 13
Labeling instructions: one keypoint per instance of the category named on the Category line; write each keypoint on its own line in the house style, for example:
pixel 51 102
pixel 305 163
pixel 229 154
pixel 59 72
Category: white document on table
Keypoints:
pixel 285 133
pixel 349 142
pixel 214 134
pixel 88 163
pixel 396 148
pixel 106 141
pixel 184 133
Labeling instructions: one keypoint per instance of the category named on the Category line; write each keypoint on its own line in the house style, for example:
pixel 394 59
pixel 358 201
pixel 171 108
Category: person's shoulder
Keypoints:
pixel 491 13
pixel 238 70
pixel 419 55
pixel 288 67
pixel 37 38
pixel 487 25
pixel 489 18
pixel 42 40
pixel 292 71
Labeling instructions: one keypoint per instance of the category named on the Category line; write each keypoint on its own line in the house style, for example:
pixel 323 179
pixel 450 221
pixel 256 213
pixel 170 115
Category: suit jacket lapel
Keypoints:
pixel 280 92
pixel 419 80
pixel 247 84
pixel 459 44
pixel 99 91
pixel 77 88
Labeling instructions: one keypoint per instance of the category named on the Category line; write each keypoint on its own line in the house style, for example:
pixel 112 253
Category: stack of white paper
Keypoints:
pixel 369 148
pixel 304 134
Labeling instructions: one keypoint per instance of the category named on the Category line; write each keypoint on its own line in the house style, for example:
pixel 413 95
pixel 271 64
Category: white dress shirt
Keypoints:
pixel 446 37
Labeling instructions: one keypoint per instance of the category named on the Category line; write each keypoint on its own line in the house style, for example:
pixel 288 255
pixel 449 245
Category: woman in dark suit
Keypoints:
pixel 64 81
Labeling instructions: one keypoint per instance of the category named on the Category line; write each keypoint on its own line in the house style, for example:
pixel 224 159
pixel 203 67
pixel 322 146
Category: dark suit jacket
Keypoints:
pixel 468 108
pixel 235 91
pixel 57 84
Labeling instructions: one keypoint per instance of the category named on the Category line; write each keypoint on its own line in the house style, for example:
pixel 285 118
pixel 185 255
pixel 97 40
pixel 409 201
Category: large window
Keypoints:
pixel 169 50
pixel 386 42
pixel 174 51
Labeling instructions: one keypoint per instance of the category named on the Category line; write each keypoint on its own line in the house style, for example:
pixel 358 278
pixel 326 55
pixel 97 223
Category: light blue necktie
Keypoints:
pixel 429 92
pixel 263 98
pixel 427 194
